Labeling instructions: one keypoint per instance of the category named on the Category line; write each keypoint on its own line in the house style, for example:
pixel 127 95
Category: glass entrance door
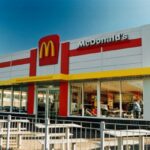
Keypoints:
pixel 47 101
pixel 41 102
pixel 53 101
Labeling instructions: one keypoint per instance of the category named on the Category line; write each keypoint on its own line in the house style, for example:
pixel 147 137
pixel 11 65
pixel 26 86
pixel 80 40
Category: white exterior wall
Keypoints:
pixel 108 60
pixel 14 71
pixel 112 60
pixel 20 71
pixel 146 45
pixel 146 63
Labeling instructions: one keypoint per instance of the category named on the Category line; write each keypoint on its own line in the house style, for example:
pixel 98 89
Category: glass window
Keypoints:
pixel 13 99
pixel 132 98
pixel 90 98
pixel 121 98
pixel 16 99
pixel 53 100
pixel 41 105
pixel 7 99
pixel 110 98
pixel 19 99
pixel 76 99
pixel 24 96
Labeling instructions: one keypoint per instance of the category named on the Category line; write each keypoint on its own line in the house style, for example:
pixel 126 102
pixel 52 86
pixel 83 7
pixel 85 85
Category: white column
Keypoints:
pixel 82 100
pixel 120 95
pixel 98 99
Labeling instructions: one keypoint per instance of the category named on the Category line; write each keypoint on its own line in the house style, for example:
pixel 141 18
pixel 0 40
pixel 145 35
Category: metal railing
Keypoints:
pixel 125 136
pixel 28 133
pixel 44 134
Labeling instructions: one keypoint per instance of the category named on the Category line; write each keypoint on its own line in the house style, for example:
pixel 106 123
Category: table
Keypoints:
pixel 65 126
pixel 120 134
pixel 12 131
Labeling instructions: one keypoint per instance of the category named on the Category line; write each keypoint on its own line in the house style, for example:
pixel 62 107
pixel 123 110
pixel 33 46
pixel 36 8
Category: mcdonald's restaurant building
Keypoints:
pixel 97 77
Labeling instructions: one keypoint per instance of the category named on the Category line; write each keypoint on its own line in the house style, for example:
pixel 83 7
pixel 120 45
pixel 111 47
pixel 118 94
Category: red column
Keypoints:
pixel 33 58
pixel 63 101
pixel 31 86
pixel 30 104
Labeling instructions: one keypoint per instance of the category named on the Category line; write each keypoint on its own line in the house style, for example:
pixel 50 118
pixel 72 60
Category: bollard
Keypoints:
pixel 102 129
pixel 46 134
pixel 8 132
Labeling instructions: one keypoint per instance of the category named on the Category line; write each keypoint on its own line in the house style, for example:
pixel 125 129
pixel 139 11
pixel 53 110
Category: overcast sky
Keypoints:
pixel 24 22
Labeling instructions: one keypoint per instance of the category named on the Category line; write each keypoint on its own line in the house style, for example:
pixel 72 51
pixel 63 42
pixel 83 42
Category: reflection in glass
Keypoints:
pixel 110 98
pixel 120 98
pixel 76 99
pixel 53 101
pixel 48 101
pixel 13 99
pixel 7 99
pixel 132 98
pixel 16 99
pixel 41 96
pixel 90 98
pixel 24 96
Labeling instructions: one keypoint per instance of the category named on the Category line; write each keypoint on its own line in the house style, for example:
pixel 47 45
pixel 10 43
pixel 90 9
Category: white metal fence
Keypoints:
pixel 125 136
pixel 44 134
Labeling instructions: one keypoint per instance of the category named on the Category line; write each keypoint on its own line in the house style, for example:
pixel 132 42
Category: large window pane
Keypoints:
pixel 90 98
pixel 41 105
pixel 24 96
pixel 16 99
pixel 76 99
pixel 19 99
pixel 132 95
pixel 53 101
pixel 7 99
pixel 110 98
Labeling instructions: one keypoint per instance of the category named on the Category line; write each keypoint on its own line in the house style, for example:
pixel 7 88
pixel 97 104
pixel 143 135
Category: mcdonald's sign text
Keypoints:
pixel 49 50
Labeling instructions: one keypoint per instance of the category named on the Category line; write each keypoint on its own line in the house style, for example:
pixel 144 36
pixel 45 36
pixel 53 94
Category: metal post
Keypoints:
pixel 120 143
pixel 19 136
pixel 102 129
pixel 67 137
pixel 141 142
pixel 46 133
pixel 8 132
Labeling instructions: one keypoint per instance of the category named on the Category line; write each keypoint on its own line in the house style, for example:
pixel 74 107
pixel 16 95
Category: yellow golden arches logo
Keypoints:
pixel 47 47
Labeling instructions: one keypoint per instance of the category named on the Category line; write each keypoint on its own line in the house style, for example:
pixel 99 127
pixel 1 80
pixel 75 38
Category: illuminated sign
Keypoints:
pixel 49 50
pixel 98 41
